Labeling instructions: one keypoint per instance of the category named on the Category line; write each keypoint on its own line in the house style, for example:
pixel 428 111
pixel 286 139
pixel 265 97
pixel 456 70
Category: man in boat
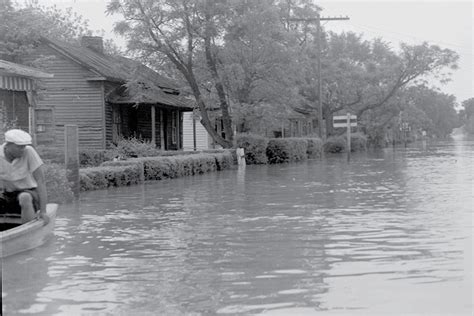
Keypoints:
pixel 22 183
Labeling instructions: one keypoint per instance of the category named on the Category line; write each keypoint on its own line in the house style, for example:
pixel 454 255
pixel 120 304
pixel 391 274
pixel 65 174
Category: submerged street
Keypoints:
pixel 391 232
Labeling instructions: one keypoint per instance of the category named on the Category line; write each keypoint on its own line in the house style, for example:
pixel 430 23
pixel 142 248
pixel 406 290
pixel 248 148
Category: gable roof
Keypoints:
pixel 122 70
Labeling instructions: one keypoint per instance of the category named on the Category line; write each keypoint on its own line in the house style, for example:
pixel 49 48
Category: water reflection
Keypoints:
pixel 391 232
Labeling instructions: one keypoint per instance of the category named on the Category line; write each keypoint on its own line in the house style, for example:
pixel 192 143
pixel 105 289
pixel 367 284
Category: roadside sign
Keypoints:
pixel 341 121
pixel 346 121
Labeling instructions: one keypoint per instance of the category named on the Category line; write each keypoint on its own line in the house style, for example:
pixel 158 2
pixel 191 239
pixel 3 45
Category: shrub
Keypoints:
pixel 358 142
pixel 136 170
pixel 95 178
pixel 132 147
pixel 335 144
pixel 225 160
pixel 299 148
pixel 286 149
pixel 157 168
pixel 57 184
pixel 254 146
pixel 92 158
pixel 278 150
pixel 315 147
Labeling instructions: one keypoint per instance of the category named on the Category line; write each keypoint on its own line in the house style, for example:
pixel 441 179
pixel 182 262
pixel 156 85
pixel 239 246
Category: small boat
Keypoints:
pixel 17 237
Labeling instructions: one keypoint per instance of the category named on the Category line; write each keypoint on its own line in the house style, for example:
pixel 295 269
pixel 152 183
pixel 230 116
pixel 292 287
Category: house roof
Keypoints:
pixel 148 96
pixel 12 69
pixel 123 70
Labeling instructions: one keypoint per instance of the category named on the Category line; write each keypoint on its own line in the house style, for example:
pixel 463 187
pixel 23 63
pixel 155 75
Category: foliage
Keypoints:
pixel 286 149
pixel 132 147
pixel 361 75
pixel 254 146
pixel 23 26
pixel 358 142
pixel 429 110
pixel 315 147
pixel 57 184
pixel 92 158
pixel 179 31
pixel 467 115
pixel 133 171
pixel 95 178
pixel 335 144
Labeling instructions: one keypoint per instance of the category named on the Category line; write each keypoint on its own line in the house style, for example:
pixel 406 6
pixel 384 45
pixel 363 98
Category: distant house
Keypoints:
pixel 106 97
pixel 17 96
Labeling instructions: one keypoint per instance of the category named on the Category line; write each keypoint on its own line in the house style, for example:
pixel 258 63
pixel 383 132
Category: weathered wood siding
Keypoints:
pixel 74 99
pixel 202 137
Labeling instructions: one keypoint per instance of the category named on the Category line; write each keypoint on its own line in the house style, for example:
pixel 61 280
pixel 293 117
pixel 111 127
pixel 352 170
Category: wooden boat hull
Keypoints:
pixel 27 236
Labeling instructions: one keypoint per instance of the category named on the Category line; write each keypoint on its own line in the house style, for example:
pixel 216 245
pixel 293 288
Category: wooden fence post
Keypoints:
pixel 71 141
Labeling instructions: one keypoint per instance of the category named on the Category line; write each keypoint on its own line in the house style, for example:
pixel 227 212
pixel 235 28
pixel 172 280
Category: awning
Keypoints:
pixel 16 83
pixel 18 77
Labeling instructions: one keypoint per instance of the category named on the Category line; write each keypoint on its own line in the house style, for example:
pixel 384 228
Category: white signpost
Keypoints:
pixel 346 121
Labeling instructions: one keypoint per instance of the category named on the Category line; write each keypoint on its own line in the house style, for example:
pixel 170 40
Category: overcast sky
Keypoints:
pixel 448 24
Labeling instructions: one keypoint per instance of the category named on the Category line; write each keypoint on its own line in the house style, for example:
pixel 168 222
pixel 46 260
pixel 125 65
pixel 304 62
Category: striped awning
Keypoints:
pixel 16 83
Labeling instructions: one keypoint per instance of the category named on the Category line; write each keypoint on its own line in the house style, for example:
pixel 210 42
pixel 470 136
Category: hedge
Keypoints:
pixel 335 144
pixel 315 147
pixel 137 170
pixel 95 178
pixel 358 142
pixel 255 147
pixel 286 149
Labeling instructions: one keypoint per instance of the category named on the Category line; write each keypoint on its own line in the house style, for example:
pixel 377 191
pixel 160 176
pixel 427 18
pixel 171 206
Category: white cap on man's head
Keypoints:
pixel 18 136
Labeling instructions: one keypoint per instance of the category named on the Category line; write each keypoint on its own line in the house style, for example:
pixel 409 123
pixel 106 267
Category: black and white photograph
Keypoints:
pixel 237 157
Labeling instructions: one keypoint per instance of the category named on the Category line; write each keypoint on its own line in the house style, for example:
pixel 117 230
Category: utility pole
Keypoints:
pixel 318 20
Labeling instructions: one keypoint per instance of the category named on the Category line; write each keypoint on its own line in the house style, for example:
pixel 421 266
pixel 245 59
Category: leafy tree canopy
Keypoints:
pixel 23 26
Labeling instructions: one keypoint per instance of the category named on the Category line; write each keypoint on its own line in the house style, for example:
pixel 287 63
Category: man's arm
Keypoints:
pixel 38 174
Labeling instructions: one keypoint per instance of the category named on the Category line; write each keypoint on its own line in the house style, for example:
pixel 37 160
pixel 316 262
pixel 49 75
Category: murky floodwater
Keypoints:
pixel 388 233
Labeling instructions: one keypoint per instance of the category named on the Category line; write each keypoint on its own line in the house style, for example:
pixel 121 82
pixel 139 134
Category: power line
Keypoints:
pixel 318 20
pixel 371 29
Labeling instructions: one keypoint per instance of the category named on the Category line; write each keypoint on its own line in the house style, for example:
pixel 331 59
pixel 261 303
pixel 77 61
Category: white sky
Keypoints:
pixel 449 24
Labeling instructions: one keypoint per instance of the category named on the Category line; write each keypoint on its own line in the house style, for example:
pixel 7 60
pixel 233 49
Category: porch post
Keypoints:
pixel 162 131
pixel 178 129
pixel 153 125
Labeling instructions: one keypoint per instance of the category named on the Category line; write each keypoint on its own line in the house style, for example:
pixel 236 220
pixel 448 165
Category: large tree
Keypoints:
pixel 261 62
pixel 22 27
pixel 181 31
pixel 361 75
pixel 467 115
pixel 239 56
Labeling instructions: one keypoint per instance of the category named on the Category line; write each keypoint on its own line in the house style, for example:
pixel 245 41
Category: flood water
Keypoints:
pixel 391 232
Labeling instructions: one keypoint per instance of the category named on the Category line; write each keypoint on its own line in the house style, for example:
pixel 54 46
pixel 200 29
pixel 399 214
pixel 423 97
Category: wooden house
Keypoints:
pixel 107 97
pixel 17 96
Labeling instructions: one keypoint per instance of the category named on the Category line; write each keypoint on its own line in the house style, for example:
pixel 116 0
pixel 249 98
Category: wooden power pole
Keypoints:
pixel 318 20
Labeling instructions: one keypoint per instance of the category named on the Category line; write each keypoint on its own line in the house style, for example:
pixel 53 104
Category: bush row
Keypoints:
pixel 261 150
pixel 57 184
pixel 137 170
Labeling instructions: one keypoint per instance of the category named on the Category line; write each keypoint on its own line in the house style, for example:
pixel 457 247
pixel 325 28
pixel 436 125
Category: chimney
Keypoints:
pixel 93 42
